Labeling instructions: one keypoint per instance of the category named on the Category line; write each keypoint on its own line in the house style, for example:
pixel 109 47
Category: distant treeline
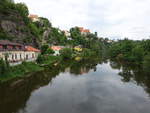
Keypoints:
pixel 132 51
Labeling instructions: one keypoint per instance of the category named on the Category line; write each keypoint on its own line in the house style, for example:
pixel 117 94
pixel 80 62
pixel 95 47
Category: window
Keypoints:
pixel 26 56
pixel 20 56
pixel 32 55
pixel 1 47
pixel 12 57
pixel 5 46
pixel 15 56
pixel 14 47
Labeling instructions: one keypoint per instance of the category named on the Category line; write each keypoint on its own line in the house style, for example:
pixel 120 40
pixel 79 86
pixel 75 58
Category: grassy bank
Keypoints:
pixel 20 70
pixel 7 72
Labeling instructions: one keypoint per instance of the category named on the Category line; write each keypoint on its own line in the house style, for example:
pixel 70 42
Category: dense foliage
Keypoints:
pixel 132 51
pixel 66 53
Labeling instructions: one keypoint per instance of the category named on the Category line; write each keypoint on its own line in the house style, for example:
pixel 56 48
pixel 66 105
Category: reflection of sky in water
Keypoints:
pixel 96 92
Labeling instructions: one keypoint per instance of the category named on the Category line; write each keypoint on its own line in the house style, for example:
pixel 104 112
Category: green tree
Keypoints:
pixel 137 54
pixel 44 49
pixel 66 53
pixel 50 51
pixel 146 63
pixel 23 10
pixel 3 67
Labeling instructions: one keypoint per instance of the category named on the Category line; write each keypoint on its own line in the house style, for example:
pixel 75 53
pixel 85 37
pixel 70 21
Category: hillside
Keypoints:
pixel 16 26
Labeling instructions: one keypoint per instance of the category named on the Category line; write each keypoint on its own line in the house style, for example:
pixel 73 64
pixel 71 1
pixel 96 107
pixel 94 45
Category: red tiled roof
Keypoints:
pixel 33 16
pixel 56 48
pixel 84 30
pixel 30 48
pixel 81 28
pixel 10 46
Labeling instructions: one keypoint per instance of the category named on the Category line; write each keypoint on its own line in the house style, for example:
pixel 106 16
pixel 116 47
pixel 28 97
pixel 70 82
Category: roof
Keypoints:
pixel 81 28
pixel 33 16
pixel 84 30
pixel 31 49
pixel 11 46
pixel 7 42
pixel 57 48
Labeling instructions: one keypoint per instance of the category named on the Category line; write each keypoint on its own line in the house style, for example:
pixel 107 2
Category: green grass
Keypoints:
pixel 48 60
pixel 20 70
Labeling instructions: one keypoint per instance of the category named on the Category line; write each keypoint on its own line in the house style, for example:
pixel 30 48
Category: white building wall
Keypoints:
pixel 19 56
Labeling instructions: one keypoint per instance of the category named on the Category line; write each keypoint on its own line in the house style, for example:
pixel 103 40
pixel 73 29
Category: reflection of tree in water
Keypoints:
pixel 133 73
pixel 79 68
pixel 14 94
pixel 83 67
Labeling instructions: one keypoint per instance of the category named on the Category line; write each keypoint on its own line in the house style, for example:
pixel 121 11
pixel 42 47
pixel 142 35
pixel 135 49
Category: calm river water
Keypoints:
pixel 85 87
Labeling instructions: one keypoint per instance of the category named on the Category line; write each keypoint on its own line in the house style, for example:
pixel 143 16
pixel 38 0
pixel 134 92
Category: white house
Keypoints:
pixel 17 53
pixel 56 49
pixel 34 18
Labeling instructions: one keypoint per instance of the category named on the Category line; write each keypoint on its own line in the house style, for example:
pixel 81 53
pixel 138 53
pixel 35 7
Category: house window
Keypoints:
pixel 15 56
pixel 12 57
pixel 19 47
pixel 1 47
pixel 14 47
pixel 20 56
pixel 32 55
pixel 5 46
pixel 27 57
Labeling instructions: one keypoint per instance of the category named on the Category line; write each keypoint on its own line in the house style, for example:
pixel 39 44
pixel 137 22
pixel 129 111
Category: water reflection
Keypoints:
pixel 100 90
pixel 14 94
pixel 133 73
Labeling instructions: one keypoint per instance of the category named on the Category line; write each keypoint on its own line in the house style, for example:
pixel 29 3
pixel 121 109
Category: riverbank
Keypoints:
pixel 43 62
pixel 26 68
pixel 20 70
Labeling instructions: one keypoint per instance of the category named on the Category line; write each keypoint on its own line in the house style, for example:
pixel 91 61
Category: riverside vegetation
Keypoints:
pixel 135 52
pixel 42 34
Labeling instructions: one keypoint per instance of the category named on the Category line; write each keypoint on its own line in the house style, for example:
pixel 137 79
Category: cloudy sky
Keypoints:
pixel 110 18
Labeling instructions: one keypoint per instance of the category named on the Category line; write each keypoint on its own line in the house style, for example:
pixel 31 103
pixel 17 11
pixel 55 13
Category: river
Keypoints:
pixel 85 87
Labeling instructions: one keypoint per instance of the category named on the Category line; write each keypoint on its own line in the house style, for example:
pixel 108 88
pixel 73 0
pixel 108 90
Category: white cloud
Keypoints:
pixel 111 18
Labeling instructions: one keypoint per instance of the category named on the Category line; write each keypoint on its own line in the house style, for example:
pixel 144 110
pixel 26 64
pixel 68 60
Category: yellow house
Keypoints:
pixel 78 48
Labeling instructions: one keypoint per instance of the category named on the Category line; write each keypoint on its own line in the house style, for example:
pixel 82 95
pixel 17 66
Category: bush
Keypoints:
pixel 87 53
pixel 66 53
pixel 44 49
pixel 40 59
pixel 50 51
pixel 138 54
pixel 4 67
pixel 146 63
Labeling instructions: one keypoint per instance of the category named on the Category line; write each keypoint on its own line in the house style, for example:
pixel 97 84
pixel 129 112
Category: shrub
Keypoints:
pixel 146 63
pixel 44 49
pixel 4 67
pixel 66 53
pixel 87 53
pixel 50 51
pixel 137 54
pixel 40 59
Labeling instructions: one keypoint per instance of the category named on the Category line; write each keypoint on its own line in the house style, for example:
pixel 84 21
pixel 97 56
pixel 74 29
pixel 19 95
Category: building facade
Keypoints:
pixel 34 18
pixel 31 53
pixel 14 52
pixel 84 31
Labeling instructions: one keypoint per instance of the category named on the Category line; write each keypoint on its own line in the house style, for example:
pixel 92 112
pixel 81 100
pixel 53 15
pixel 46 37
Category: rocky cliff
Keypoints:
pixel 17 27
pixel 14 27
